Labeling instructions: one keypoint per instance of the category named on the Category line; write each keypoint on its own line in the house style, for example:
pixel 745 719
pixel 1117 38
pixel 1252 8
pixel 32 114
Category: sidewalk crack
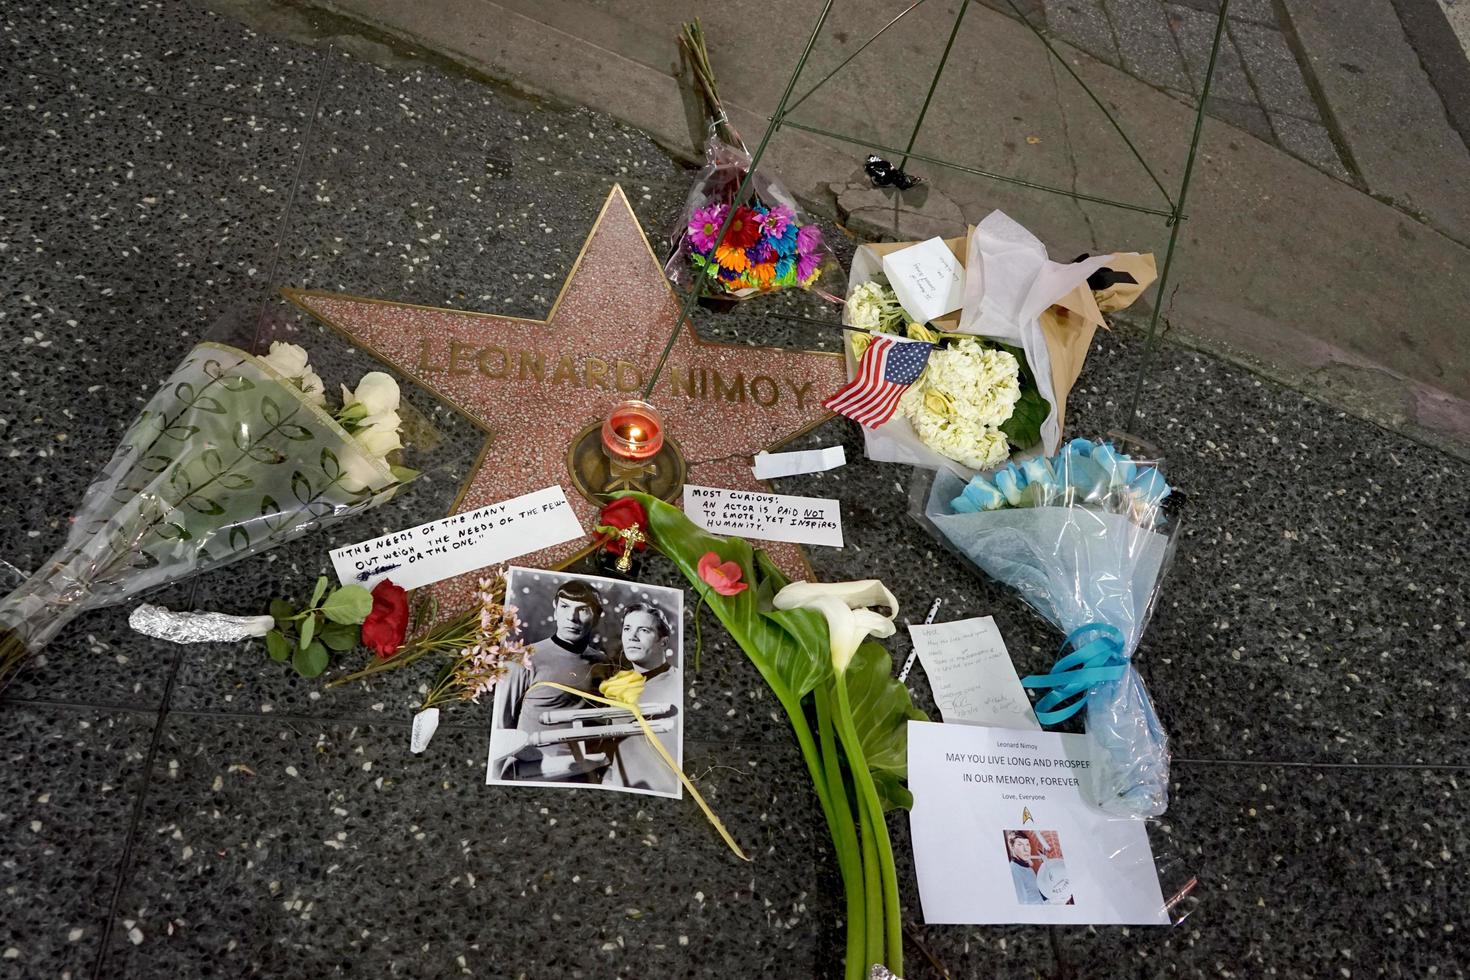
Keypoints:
pixel 1071 155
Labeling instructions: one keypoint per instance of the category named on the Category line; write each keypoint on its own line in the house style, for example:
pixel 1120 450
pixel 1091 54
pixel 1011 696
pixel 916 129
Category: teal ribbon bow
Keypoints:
pixel 1074 676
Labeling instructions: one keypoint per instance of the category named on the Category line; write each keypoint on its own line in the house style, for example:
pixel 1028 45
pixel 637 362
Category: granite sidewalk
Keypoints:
pixel 193 812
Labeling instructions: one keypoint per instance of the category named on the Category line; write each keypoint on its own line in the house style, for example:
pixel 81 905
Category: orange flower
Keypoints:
pixel 732 258
pixel 763 272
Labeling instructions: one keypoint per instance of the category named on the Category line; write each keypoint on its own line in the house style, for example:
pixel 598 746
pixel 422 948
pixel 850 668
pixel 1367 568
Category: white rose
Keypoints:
pixel 359 471
pixel 377 441
pixel 376 393
pixel 312 387
pixel 289 360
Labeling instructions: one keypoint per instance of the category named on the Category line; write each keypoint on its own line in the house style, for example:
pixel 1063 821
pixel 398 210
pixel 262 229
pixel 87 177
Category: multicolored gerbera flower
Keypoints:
pixel 775 221
pixel 807 264
pixel 745 228
pixel 808 239
pixel 732 258
pixel 704 225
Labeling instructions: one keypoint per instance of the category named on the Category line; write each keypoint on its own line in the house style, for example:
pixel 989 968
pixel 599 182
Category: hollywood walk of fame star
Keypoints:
pixel 533 385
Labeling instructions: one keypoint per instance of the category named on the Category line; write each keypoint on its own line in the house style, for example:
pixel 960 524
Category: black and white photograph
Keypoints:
pixel 582 630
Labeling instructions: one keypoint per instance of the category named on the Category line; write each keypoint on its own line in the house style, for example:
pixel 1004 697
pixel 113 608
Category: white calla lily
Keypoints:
pixel 845 607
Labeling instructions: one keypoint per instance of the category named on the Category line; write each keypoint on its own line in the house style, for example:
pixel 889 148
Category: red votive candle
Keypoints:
pixel 633 432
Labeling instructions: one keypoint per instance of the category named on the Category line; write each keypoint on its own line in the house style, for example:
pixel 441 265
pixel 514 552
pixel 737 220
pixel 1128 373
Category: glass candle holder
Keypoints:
pixel 633 433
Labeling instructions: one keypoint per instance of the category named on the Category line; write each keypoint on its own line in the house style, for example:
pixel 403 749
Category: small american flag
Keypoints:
pixel 887 368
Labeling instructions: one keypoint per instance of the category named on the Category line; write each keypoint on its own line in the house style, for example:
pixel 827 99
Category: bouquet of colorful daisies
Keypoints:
pixel 766 246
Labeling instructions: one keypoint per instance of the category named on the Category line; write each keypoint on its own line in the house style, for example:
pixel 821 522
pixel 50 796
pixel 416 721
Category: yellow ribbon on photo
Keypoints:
pixel 622 690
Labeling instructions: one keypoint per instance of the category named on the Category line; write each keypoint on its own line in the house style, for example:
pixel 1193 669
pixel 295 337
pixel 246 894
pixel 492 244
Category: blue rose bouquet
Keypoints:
pixel 1085 537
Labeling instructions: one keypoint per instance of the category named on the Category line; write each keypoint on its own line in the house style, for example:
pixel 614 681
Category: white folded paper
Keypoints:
pixel 770 465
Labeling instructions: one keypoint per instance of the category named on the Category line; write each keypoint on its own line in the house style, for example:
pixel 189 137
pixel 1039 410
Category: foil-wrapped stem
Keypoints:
pixel 197 627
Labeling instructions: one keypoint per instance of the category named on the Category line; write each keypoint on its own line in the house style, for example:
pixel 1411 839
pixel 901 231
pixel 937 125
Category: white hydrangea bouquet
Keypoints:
pixel 997 382
pixel 233 455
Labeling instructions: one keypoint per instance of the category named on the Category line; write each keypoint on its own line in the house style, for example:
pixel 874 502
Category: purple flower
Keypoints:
pixel 774 221
pixel 704 226
pixel 808 239
pixel 761 252
pixel 807 264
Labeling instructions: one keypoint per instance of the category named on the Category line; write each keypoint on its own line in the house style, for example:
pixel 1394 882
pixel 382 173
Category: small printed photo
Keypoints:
pixel 1038 869
pixel 582 630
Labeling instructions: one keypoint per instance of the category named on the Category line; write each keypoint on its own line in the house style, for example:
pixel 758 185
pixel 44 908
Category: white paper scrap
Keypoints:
pixel 971 674
pixel 425 724
pixel 770 465
pixel 927 279
pixel 461 543
pixel 765 516
pixel 1003 834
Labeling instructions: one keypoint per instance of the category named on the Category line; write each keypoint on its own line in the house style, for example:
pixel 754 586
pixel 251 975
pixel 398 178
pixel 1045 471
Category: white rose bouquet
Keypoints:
pixel 235 454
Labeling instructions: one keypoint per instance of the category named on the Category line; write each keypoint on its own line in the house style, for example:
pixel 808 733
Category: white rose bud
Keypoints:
pixel 289 360
pixel 376 392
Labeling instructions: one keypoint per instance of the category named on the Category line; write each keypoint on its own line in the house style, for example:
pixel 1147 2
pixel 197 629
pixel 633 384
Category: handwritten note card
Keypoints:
pixel 765 516
pixel 460 543
pixel 927 279
pixel 971 674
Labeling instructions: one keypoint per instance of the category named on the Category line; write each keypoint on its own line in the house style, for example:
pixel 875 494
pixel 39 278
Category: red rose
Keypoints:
pixel 385 626
pixel 623 513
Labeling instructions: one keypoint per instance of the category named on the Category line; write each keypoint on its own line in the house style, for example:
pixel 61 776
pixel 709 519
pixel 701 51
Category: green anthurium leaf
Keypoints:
pixel 881 710
pixel 282 611
pixel 308 630
pixel 785 658
pixel 277 645
pixel 807 628
pixel 318 591
pixel 310 661
pixel 340 636
pixel 349 605
pixel 892 793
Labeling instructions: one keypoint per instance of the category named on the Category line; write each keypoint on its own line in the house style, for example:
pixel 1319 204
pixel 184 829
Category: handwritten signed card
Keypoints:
pixel 971 674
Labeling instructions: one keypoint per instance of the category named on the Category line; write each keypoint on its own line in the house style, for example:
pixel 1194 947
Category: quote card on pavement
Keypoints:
pixel 461 543
pixel 765 516
pixel 971 674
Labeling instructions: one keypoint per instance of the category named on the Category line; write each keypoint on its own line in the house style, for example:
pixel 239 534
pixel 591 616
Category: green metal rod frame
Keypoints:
pixel 954 32
pixel 1003 178
pixel 1174 216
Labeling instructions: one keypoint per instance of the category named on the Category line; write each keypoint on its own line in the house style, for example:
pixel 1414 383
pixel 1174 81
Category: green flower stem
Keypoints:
pixel 849 859
pixel 872 891
pixel 872 810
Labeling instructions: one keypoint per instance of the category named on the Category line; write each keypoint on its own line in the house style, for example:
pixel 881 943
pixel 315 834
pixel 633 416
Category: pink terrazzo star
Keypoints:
pixel 532 385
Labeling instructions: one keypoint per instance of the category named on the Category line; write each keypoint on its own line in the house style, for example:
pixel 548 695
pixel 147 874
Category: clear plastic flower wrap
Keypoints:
pixel 233 455
pixel 770 244
pixel 1085 537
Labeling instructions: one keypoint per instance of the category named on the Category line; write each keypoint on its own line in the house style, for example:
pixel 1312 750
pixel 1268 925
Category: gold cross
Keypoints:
pixel 630 536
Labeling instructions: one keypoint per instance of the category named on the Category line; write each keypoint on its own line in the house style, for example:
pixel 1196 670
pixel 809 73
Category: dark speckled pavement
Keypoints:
pixel 195 812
